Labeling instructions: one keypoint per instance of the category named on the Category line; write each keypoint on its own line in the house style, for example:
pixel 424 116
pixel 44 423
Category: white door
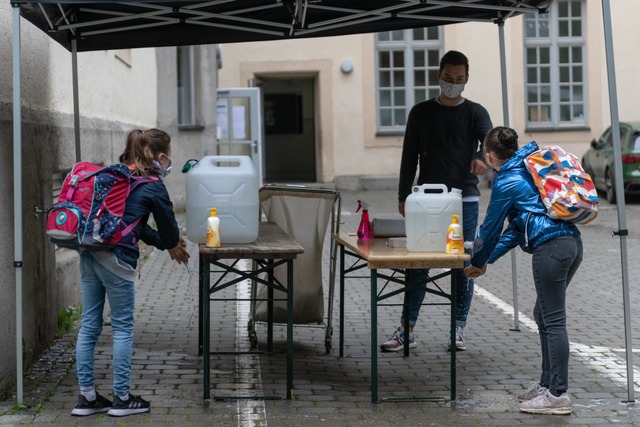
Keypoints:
pixel 240 125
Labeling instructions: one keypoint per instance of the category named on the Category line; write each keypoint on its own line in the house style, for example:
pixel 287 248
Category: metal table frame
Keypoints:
pixel 376 255
pixel 272 248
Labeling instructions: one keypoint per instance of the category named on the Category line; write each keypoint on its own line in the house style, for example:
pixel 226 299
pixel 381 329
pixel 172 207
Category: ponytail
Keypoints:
pixel 142 149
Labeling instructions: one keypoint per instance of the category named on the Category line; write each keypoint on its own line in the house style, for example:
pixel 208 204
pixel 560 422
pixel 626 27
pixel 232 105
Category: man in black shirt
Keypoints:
pixel 444 137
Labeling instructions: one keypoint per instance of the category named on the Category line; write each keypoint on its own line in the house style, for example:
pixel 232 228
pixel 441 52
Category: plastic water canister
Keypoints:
pixel 230 183
pixel 428 211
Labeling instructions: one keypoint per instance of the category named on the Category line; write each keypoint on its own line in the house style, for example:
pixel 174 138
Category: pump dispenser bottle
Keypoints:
pixel 213 229
pixel 364 229
pixel 455 239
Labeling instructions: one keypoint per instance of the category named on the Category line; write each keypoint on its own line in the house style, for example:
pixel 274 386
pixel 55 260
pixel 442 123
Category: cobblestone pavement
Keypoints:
pixel 329 390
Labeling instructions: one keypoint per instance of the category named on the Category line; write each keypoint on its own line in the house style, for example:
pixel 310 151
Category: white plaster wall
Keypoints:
pixel 109 88
pixel 626 36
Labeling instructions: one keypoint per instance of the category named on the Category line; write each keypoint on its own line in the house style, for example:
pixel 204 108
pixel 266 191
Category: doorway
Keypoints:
pixel 239 127
pixel 290 131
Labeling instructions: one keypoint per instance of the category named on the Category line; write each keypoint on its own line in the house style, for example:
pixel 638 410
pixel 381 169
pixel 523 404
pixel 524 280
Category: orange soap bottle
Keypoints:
pixel 213 229
pixel 455 239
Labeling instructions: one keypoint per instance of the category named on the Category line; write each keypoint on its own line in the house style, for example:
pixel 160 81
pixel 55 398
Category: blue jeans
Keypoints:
pixel 96 282
pixel 554 263
pixel 414 295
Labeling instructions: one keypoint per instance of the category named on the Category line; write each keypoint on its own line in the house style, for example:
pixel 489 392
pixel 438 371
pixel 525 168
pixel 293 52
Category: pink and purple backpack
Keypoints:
pixel 90 207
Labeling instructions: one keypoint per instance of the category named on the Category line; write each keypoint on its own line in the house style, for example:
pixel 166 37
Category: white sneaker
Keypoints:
pixel 532 392
pixel 546 403
pixel 396 341
pixel 460 344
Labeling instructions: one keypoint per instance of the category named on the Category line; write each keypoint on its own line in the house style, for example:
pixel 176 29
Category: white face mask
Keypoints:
pixel 163 172
pixel 451 90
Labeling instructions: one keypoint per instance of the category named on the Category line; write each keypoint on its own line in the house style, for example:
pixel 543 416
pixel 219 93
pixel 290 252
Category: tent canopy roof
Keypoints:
pixel 98 25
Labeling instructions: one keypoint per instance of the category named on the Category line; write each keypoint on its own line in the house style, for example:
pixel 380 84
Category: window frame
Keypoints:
pixel 554 43
pixel 408 46
pixel 187 96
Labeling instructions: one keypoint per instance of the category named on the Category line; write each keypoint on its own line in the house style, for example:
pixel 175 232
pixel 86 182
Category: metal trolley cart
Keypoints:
pixel 304 214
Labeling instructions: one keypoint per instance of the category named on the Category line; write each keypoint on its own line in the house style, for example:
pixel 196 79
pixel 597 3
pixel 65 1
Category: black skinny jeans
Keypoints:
pixel 554 263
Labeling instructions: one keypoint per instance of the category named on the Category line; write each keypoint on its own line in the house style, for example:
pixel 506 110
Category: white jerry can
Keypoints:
pixel 229 184
pixel 428 211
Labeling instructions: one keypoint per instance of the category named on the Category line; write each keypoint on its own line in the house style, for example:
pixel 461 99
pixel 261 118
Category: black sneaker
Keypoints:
pixel 135 405
pixel 84 407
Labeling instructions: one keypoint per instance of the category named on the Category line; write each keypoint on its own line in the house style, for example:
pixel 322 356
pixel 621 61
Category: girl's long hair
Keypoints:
pixel 143 147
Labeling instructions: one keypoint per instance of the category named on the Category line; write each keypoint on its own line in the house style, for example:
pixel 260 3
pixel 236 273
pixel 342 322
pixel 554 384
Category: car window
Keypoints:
pixel 635 142
pixel 624 134
pixel 607 138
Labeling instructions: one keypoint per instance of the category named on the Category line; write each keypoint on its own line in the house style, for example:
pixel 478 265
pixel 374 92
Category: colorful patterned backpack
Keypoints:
pixel 567 191
pixel 89 211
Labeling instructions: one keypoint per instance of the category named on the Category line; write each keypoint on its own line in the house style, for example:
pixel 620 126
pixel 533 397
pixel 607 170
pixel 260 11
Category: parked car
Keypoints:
pixel 598 160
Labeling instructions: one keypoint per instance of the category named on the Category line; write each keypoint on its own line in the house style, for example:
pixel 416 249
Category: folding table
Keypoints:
pixel 272 248
pixel 376 254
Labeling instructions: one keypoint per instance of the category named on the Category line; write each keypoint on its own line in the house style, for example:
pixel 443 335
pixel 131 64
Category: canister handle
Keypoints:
pixel 423 187
pixel 242 161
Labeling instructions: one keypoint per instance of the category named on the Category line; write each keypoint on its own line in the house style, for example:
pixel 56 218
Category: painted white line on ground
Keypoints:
pixel 250 412
pixel 601 359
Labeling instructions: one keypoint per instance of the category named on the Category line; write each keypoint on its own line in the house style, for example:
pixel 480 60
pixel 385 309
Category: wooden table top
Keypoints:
pixel 379 255
pixel 272 242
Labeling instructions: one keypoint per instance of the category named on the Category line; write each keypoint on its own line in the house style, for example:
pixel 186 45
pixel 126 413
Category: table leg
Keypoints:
pixel 270 278
pixel 290 329
pixel 374 336
pixel 200 296
pixel 341 344
pixel 205 323
pixel 405 318
pixel 454 303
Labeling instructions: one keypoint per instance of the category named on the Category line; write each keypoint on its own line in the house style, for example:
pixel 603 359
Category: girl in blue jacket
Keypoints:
pixel 556 247
pixel 112 273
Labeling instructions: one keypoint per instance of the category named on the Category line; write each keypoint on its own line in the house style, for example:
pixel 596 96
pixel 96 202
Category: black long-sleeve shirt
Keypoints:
pixel 443 141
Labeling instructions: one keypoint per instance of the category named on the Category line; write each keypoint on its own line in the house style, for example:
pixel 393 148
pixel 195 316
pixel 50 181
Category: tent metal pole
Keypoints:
pixel 505 120
pixel 622 231
pixel 17 198
pixel 76 101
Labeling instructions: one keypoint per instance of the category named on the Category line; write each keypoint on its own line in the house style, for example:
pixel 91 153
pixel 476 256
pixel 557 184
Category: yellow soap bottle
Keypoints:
pixel 213 229
pixel 455 239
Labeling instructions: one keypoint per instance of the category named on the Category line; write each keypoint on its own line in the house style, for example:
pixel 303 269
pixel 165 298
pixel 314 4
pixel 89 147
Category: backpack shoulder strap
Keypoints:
pixel 129 228
pixel 139 180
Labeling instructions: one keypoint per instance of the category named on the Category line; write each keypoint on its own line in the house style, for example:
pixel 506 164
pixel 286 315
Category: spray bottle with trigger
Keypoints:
pixel 364 229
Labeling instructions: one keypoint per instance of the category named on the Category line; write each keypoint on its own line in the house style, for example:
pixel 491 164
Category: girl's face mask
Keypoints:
pixel 163 172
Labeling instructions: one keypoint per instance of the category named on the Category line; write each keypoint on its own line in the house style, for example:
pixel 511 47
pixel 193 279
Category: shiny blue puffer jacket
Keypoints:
pixel 515 197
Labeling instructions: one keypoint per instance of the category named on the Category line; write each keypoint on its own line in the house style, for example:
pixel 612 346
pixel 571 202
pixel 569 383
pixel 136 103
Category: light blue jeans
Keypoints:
pixel 98 281
pixel 416 278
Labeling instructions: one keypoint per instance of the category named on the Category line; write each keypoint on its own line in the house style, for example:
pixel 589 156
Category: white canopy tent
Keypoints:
pixel 94 25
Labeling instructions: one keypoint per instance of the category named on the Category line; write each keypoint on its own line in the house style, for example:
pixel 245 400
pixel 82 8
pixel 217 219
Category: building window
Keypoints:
pixel 407 64
pixel 186 86
pixel 555 66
